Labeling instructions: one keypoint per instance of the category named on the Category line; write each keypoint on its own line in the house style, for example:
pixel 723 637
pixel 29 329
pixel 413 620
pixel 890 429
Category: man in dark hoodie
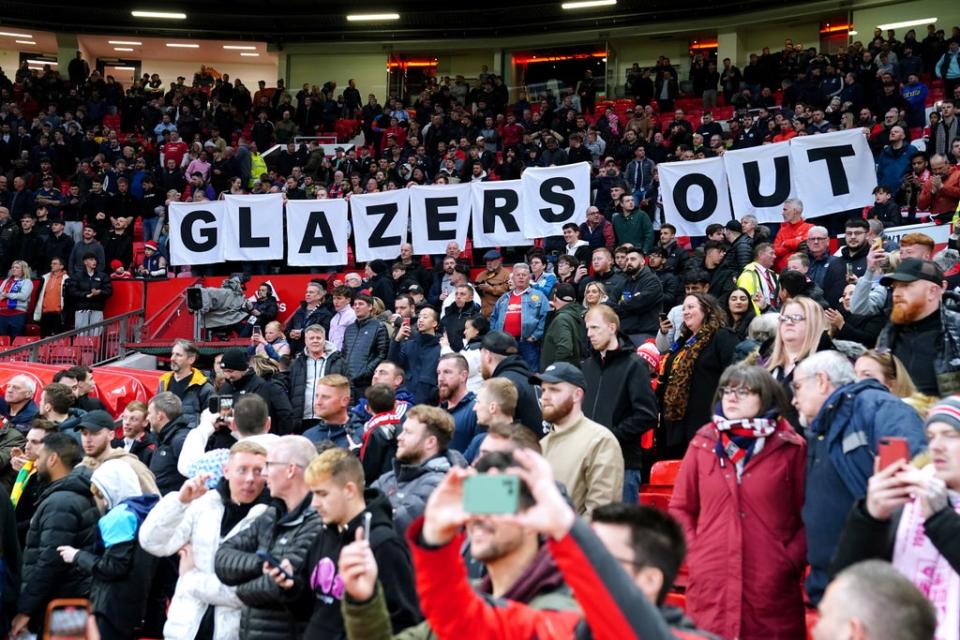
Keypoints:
pixel 418 355
pixel 379 282
pixel 852 261
pixel 455 316
pixel 618 394
pixel 66 516
pixel 170 427
pixel 336 479
pixel 518 568
pixel 640 300
pixel 241 379
pixel 499 357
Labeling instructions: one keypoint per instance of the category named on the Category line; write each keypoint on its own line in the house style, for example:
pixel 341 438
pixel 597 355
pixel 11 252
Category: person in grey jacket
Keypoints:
pixel 319 358
pixel 365 345
pixel 423 459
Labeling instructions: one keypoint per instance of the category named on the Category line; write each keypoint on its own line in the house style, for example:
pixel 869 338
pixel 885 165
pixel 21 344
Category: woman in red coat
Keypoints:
pixel 738 496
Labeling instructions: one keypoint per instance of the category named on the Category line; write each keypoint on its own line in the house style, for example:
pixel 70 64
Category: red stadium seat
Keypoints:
pixel 4 341
pixel 59 355
pixel 664 473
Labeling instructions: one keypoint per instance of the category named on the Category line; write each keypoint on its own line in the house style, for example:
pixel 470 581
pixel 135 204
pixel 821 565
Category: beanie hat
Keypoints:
pixel 235 360
pixel 116 480
pixel 649 353
pixel 946 410
pixel 379 267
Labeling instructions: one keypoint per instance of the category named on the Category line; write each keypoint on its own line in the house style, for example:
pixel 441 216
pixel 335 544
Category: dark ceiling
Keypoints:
pixel 317 21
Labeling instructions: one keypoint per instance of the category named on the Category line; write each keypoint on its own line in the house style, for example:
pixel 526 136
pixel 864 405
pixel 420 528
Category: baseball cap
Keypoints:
pixel 96 420
pixel 561 372
pixel 414 288
pixel 150 244
pixel 913 269
pixel 566 292
pixel 500 343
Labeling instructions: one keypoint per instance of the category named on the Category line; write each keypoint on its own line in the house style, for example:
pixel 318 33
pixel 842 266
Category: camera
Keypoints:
pixel 195 298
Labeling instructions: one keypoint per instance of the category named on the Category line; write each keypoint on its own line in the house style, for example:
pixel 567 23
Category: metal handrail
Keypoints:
pixel 99 343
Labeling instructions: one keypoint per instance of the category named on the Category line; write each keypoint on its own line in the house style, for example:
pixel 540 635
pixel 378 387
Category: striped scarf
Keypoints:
pixel 26 472
pixel 738 438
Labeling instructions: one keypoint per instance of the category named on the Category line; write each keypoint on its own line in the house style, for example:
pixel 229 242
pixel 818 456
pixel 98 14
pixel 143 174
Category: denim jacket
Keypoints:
pixel 533 310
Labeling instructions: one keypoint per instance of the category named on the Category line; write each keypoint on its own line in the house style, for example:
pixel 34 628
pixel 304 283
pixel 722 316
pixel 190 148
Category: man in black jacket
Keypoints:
pixel 88 290
pixel 618 395
pixel 66 516
pixel 669 282
pixel 286 530
pixel 170 427
pixel 455 316
pixel 641 299
pixel 187 382
pixel 241 379
pixel 722 278
pixel 499 358
pixel 740 247
pixel 365 345
pixel 313 309
pixel 380 283
pixel 318 359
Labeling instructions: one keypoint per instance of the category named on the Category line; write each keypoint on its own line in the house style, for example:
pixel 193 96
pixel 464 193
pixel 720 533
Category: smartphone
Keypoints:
pixel 663 317
pixel 269 558
pixel 891 450
pixel 67 619
pixel 405 323
pixel 877 244
pixel 367 519
pixel 849 269
pixel 225 406
pixel 257 331
pixel 487 494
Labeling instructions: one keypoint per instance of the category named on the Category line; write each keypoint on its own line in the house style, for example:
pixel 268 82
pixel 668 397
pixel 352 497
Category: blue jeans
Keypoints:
pixel 530 352
pixel 631 486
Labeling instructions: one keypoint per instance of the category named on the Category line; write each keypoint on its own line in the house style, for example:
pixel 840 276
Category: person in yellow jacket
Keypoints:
pixel 258 166
pixel 759 278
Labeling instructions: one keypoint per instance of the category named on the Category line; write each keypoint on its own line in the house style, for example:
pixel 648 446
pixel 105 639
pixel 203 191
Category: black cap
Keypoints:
pixel 96 420
pixel 913 269
pixel 566 292
pixel 235 360
pixel 500 343
pixel 414 288
pixel 561 372
pixel 734 225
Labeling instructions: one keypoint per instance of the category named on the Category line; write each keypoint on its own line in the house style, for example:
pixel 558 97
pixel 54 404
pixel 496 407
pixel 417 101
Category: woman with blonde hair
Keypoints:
pixel 887 369
pixel 594 293
pixel 802 331
pixel 15 292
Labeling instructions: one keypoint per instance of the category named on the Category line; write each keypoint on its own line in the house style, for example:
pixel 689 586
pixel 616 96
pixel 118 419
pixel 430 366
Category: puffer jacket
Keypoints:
pixel 66 516
pixel 121 569
pixel 163 463
pixel 409 485
pixel 418 357
pixel 195 399
pixel 365 345
pixel 266 614
pixel 303 368
pixel 740 253
pixel 272 392
pixel 173 524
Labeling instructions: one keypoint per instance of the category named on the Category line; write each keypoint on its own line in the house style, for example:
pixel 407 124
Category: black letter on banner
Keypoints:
pixel 247 239
pixel 781 191
pixel 834 157
pixel 709 197
pixel 389 212
pixel 564 200
pixel 491 211
pixel 317 222
pixel 435 218
pixel 208 235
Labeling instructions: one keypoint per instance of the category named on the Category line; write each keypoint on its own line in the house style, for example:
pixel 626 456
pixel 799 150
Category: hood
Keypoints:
pixel 77 481
pixel 574 308
pixel 623 351
pixel 380 510
pixel 542 575
pixel 515 364
pixel 116 481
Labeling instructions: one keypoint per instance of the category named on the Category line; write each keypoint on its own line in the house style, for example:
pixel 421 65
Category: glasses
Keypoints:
pixel 816 239
pixel 795 385
pixel 740 392
pixel 792 318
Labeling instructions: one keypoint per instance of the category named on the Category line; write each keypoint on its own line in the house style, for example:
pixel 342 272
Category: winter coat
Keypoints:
pixel 195 399
pixel 173 524
pixel 409 485
pixel 305 368
pixel 528 413
pixel 163 463
pixel 418 356
pixel 892 165
pixel 841 446
pixel 21 421
pixel 788 241
pixel 453 322
pixel 10 437
pixel 394 571
pixel 464 416
pixel 38 309
pixel 640 302
pixel 747 548
pixel 534 307
pixel 302 318
pixel 835 279
pixel 619 397
pixel 714 358
pixel 740 253
pixel 122 571
pixel 66 516
pixel 564 338
pixel 365 345
pixel 271 391
pixel 82 283
pixel 266 614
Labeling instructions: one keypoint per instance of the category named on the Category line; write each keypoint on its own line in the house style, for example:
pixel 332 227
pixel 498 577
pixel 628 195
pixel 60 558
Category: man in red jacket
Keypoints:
pixel 615 580
pixel 792 232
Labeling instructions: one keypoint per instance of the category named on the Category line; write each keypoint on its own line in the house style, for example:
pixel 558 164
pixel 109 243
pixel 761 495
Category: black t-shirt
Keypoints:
pixel 179 387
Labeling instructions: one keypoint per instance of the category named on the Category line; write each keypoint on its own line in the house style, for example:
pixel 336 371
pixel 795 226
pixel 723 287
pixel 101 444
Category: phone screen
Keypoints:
pixel 257 331
pixel 67 621
pixel 488 494
pixel 226 406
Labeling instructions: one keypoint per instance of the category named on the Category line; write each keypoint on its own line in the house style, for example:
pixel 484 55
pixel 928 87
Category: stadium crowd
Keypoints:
pixel 803 399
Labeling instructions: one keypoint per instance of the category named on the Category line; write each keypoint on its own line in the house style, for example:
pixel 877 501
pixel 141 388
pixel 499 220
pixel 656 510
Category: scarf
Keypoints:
pixel 741 438
pixel 678 380
pixel 12 286
pixel 916 558
pixel 23 476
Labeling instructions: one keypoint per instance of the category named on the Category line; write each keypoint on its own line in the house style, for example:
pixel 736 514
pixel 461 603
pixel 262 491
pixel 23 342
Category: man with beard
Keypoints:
pixel 187 382
pixel 452 373
pixel 641 300
pixel 923 330
pixel 499 359
pixel 852 261
pixel 584 455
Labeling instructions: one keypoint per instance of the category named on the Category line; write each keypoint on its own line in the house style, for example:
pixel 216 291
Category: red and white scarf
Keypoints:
pixel 915 557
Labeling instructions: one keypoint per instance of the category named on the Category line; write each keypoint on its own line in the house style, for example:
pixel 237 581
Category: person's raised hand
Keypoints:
pixel 444 514
pixel 358 568
pixel 886 491
pixel 551 514
pixel 194 488
pixel 834 318
pixel 876 259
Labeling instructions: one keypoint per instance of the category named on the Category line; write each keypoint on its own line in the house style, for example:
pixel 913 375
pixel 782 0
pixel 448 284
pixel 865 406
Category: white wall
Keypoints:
pixel 466 64
pixel 947 13
pixel 9 62
pixel 368 69
pixel 248 73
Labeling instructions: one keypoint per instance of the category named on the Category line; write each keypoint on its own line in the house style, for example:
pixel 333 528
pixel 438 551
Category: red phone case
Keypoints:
pixel 892 449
